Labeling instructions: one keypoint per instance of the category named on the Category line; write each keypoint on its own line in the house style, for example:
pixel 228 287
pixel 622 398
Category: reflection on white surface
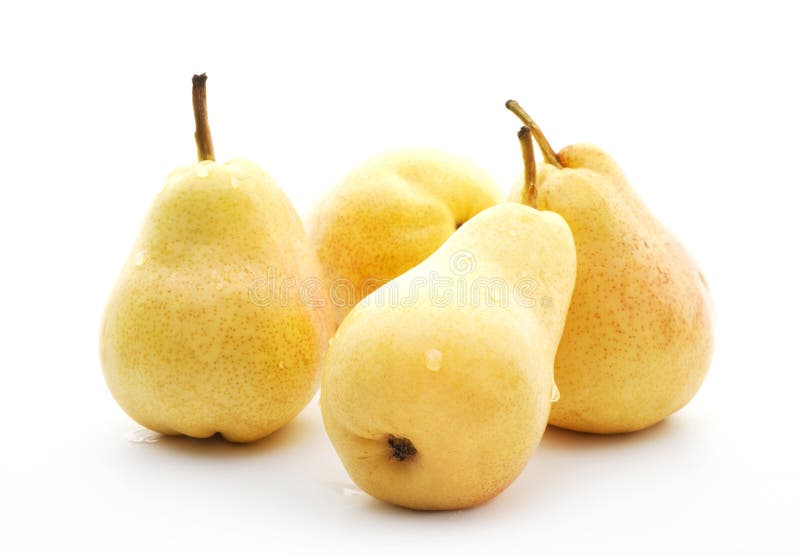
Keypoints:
pixel 144 436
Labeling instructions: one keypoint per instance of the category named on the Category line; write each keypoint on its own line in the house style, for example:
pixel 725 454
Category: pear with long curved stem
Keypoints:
pixel 639 334
pixel 208 328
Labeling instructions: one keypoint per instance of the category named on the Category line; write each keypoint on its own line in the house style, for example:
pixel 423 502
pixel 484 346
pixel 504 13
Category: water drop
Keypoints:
pixel 281 364
pixel 144 436
pixel 346 489
pixel 433 359
pixel 235 182
pixel 330 342
pixel 555 395
pixel 218 286
pixel 139 258
pixel 202 169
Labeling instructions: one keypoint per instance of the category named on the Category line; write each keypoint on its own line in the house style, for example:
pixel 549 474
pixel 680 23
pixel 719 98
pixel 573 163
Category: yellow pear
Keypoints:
pixel 638 339
pixel 437 387
pixel 389 214
pixel 215 323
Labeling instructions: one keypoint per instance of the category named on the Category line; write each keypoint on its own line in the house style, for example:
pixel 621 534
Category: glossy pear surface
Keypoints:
pixel 196 338
pixel 391 213
pixel 638 339
pixel 437 387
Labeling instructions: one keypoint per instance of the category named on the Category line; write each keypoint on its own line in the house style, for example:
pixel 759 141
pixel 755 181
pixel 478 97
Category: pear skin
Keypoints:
pixel 435 398
pixel 389 214
pixel 639 334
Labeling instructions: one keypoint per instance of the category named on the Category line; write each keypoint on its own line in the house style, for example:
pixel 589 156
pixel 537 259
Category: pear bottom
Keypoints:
pixel 438 417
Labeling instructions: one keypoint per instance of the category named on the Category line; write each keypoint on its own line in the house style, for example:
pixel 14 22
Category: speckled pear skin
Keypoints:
pixel 639 334
pixel 192 342
pixel 468 381
pixel 389 214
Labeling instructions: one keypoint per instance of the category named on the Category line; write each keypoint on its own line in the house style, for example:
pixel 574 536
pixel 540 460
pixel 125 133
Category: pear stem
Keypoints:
pixel 529 190
pixel 549 154
pixel 202 133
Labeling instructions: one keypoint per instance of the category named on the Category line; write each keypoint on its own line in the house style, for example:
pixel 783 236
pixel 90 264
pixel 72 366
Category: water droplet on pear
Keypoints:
pixel 202 169
pixel 433 359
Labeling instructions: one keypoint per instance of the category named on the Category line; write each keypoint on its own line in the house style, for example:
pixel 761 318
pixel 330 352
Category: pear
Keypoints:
pixel 389 214
pixel 215 324
pixel 638 339
pixel 437 386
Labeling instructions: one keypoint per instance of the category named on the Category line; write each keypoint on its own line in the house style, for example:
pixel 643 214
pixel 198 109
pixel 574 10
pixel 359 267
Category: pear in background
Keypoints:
pixel 437 387
pixel 638 339
pixel 390 214
pixel 215 323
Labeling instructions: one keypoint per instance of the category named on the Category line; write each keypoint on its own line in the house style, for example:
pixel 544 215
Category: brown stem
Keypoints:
pixel 547 150
pixel 529 176
pixel 202 133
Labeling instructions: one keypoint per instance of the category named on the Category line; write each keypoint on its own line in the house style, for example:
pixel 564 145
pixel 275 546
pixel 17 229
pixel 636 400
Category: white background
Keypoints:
pixel 697 102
